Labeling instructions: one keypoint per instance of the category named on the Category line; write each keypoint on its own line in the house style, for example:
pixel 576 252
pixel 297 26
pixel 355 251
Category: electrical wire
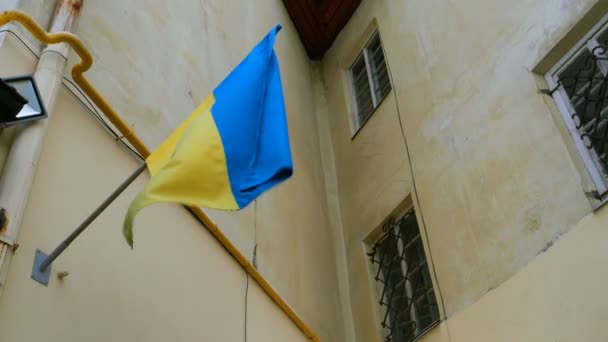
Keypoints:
pixel 246 300
pixel 254 259
pixel 73 86
pixel 93 110
pixel 27 46
pixel 99 118
pixel 411 167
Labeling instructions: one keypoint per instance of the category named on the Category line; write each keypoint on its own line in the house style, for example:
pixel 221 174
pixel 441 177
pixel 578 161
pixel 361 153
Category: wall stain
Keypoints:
pixel 533 221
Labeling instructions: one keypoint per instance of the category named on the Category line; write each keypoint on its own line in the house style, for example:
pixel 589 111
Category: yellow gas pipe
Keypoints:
pixel 77 74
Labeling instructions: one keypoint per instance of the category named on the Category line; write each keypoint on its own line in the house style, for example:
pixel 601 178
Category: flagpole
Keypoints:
pixel 42 262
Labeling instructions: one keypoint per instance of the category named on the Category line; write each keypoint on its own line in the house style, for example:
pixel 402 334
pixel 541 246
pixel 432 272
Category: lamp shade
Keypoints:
pixel 20 101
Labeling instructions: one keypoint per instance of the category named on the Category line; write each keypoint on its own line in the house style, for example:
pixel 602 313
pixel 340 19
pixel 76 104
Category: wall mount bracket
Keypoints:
pixel 41 276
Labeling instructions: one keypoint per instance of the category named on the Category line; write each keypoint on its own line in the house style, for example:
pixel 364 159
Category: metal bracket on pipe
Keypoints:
pixel 41 277
pixel 550 92
pixel 7 240
pixel 3 220
pixel 3 228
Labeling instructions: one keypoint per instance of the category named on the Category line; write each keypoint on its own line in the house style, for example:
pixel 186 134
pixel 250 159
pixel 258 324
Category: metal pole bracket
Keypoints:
pixel 37 275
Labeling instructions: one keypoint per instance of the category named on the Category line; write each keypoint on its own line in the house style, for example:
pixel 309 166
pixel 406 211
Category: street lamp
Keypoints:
pixel 20 101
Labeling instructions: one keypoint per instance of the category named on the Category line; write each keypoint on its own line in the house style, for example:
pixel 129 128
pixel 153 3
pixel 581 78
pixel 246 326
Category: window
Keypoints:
pixel 407 298
pixel 579 85
pixel 370 81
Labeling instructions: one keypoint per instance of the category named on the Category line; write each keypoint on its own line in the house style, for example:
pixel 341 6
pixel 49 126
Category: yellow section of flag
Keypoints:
pixel 188 168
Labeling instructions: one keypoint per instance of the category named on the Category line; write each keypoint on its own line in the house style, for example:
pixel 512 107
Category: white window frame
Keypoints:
pixel 588 156
pixel 356 123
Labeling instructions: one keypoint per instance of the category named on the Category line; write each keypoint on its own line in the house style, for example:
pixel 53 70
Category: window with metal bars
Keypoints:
pixel 579 85
pixel 370 81
pixel 407 297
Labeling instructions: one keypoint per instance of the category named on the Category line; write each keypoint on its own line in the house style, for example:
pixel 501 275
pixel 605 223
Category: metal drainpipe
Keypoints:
pixel 6 134
pixel 22 161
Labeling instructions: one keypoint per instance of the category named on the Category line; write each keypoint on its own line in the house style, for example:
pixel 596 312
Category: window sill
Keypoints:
pixel 427 330
pixel 602 202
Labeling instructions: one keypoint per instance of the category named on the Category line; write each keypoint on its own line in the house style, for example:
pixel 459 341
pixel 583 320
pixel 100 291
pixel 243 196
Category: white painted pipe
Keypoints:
pixel 7 134
pixel 22 161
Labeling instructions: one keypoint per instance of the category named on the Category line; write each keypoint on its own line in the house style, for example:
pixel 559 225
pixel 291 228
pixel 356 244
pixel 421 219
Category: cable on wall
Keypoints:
pixel 415 190
pixel 73 88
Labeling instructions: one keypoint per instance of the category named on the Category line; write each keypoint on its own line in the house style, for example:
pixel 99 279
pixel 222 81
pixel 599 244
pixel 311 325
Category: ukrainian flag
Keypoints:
pixel 231 149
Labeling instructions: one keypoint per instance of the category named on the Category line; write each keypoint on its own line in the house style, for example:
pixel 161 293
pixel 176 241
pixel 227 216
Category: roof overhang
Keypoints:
pixel 320 21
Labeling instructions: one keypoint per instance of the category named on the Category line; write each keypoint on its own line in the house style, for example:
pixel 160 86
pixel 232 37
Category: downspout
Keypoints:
pixel 6 134
pixel 22 160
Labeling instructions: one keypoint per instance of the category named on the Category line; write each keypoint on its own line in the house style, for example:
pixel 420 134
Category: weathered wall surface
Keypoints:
pixel 156 60
pixel 40 10
pixel 495 180
pixel 12 51
pixel 557 297
pixel 178 285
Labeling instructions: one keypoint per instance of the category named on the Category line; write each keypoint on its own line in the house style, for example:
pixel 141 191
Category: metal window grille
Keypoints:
pixel 580 87
pixel 406 289
pixel 370 80
pixel 586 83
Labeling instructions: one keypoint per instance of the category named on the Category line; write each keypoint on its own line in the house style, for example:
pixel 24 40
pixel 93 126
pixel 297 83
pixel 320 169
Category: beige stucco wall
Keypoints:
pixel 557 297
pixel 154 61
pixel 497 181
pixel 495 178
pixel 40 10
pixel 178 285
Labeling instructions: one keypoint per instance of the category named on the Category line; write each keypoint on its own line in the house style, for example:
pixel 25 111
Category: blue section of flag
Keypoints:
pixel 249 113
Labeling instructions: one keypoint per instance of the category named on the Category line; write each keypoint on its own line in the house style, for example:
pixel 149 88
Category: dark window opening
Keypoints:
pixel 406 288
